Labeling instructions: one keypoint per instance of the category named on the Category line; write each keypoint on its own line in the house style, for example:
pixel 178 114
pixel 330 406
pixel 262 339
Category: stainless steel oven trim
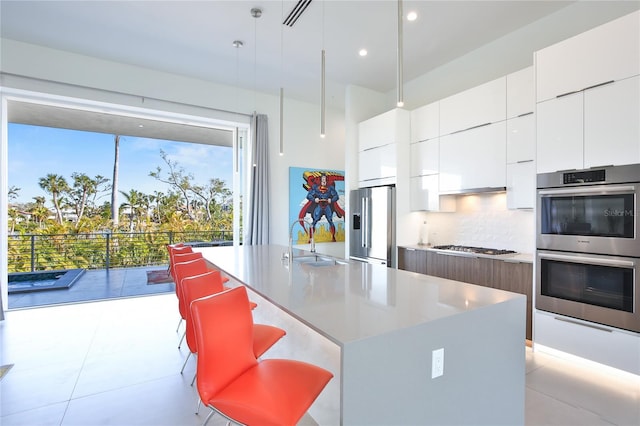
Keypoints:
pixel 590 260
pixel 589 190
pixel 583 311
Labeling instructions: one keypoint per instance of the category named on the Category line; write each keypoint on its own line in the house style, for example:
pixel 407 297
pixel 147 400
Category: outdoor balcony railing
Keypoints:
pixel 39 252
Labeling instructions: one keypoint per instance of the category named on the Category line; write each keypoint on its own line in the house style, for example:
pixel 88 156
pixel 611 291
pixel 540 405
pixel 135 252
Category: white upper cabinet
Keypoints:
pixel 608 52
pixel 473 159
pixel 521 139
pixel 379 140
pixel 612 123
pixel 595 127
pixel 477 106
pixel 425 122
pixel 425 157
pixel 521 185
pixel 425 195
pixel 383 129
pixel 521 96
pixel 378 163
pixel 559 134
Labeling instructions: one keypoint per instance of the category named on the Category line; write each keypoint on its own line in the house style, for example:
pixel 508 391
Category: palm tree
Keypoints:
pixel 55 185
pixel 136 200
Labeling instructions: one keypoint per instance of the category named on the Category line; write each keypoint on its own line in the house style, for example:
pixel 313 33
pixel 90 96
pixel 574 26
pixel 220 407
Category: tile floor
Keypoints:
pixel 115 362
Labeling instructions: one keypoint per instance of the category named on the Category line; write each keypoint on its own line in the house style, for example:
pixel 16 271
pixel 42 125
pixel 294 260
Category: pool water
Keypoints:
pixel 21 282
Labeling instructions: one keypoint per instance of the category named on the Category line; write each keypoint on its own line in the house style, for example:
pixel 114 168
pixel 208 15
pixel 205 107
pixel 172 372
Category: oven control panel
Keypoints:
pixel 584 176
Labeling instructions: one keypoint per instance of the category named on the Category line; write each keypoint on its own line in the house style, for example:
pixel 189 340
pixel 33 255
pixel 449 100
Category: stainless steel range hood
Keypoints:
pixel 471 191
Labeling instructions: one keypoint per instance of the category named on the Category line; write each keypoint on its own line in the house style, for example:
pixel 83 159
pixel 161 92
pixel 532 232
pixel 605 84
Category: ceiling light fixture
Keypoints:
pixel 400 100
pixel 322 83
pixel 363 52
pixel 256 13
pixel 281 88
pixel 412 16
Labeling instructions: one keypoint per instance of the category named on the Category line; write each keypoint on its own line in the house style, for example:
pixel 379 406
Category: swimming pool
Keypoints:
pixel 22 282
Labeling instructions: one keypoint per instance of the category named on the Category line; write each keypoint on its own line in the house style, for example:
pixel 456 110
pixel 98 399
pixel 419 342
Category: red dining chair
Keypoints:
pixel 233 382
pixel 195 287
pixel 182 270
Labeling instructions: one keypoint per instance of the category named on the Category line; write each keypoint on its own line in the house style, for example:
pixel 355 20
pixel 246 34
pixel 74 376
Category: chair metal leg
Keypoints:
pixel 182 338
pixel 198 406
pixel 194 378
pixel 179 322
pixel 185 362
pixel 208 417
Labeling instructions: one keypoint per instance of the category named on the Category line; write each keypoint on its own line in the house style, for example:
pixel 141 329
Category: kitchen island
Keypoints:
pixel 377 328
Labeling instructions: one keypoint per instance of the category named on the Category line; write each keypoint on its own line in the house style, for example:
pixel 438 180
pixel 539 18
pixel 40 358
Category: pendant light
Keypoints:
pixel 322 86
pixel 400 100
pixel 281 88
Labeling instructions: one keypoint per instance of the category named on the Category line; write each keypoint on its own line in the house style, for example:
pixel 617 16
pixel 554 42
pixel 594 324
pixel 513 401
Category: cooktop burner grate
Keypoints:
pixel 479 250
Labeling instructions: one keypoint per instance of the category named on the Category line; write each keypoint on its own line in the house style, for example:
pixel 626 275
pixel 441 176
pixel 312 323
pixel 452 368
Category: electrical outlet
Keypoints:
pixel 437 363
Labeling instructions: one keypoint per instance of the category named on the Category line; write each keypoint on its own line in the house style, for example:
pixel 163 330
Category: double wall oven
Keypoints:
pixel 588 247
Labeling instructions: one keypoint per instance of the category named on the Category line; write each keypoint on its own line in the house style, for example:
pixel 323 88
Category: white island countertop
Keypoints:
pixel 379 329
pixel 337 300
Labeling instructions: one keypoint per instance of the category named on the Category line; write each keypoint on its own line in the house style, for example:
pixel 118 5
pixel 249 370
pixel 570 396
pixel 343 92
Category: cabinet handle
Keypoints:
pixel 470 128
pixel 524 161
pixel 568 93
pixel 583 324
pixel 599 84
pixel 586 88
pixel 525 114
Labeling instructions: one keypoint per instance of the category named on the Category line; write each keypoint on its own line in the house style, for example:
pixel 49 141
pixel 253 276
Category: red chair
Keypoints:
pixel 233 382
pixel 195 287
pixel 190 268
pixel 176 249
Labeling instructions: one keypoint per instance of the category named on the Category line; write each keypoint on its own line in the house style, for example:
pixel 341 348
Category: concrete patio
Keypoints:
pixel 96 284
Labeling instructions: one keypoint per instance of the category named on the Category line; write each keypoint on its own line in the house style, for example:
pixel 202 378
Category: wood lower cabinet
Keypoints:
pixel 516 277
pixel 413 260
pixel 508 275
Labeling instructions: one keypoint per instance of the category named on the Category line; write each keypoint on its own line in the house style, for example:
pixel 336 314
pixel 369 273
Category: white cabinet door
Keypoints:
pixel 378 163
pixel 559 134
pixel 377 131
pixel 521 139
pixel 608 52
pixel 425 195
pixel 612 124
pixel 425 157
pixel 425 122
pixel 521 96
pixel 476 106
pixel 521 185
pixel 473 159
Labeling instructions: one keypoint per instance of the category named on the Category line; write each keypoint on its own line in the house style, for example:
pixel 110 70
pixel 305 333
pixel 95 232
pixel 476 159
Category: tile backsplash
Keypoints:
pixel 483 220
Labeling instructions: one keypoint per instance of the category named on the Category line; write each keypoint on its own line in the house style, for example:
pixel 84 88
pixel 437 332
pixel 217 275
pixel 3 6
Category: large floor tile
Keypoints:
pixel 544 410
pixel 49 415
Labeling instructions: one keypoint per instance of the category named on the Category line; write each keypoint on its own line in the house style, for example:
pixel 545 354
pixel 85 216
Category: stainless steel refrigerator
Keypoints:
pixel 372 235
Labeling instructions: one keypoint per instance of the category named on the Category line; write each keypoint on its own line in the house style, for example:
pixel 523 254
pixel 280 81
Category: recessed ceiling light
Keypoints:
pixel 412 16
pixel 363 52
pixel 141 125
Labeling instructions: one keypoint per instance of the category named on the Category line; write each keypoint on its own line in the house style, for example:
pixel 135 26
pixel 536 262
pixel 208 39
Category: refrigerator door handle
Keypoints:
pixel 364 227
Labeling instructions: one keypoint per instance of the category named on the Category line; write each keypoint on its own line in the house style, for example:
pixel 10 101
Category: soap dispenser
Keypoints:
pixel 424 234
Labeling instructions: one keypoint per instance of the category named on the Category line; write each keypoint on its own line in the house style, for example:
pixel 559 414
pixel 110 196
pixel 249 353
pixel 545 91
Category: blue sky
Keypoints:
pixel 37 151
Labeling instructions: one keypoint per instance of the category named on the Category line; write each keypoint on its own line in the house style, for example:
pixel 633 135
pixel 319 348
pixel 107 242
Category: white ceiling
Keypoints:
pixel 194 38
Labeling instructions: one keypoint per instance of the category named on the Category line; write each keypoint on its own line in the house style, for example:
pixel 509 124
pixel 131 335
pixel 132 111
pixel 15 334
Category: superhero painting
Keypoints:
pixel 317 197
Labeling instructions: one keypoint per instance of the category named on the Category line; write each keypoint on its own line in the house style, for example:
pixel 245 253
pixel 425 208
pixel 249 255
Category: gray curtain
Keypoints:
pixel 258 226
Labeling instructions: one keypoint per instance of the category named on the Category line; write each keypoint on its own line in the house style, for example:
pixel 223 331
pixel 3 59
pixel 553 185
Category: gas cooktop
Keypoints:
pixel 478 250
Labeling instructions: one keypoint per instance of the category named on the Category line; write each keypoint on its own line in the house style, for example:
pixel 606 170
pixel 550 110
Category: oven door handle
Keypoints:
pixel 599 189
pixel 589 260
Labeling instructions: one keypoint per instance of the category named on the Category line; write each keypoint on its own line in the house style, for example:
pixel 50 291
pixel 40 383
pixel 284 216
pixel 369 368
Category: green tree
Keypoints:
pixel 55 185
pixel 136 202
pixel 177 179
pixel 84 192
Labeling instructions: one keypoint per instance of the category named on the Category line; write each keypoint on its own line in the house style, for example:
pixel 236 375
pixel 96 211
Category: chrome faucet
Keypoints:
pixel 308 230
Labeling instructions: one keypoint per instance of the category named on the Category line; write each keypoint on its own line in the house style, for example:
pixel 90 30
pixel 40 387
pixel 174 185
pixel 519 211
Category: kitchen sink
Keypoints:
pixel 318 260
